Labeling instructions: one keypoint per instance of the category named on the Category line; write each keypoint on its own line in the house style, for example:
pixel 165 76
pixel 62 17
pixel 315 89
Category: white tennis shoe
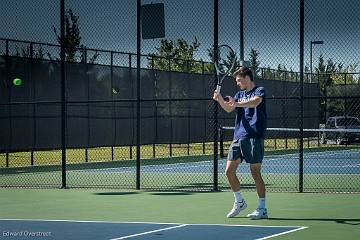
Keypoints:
pixel 259 213
pixel 237 208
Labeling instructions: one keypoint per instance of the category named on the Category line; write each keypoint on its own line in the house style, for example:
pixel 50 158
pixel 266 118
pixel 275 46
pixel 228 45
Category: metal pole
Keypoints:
pixel 87 109
pixel 7 47
pixel 156 107
pixel 215 109
pixel 132 106
pixel 8 85
pixel 170 109
pixel 205 108
pixel 113 103
pixel 63 96
pixel 241 30
pixel 311 62
pixel 138 102
pixel 301 147
pixel 221 136
pixel 33 82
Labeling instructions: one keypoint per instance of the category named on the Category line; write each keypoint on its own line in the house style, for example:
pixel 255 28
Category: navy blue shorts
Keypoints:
pixel 250 149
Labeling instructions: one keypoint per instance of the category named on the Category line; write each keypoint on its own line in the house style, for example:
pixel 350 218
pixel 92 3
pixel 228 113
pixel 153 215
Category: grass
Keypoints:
pixel 105 154
pixel 101 154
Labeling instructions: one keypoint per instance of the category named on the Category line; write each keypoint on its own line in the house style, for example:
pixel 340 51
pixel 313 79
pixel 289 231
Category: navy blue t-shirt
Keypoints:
pixel 250 122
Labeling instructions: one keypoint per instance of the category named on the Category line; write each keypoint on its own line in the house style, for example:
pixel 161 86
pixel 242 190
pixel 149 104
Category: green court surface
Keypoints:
pixel 326 216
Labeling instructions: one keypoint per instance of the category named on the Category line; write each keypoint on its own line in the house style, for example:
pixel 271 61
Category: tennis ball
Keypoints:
pixel 17 81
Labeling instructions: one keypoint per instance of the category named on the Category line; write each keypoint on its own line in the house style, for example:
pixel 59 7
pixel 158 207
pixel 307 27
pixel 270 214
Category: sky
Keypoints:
pixel 271 26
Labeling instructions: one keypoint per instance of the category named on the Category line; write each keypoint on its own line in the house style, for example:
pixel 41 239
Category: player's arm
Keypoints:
pixel 226 105
pixel 252 103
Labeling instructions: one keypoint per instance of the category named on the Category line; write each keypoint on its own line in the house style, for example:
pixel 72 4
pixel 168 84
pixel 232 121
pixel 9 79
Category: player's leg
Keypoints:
pixel 255 169
pixel 256 152
pixel 261 211
pixel 232 164
pixel 230 171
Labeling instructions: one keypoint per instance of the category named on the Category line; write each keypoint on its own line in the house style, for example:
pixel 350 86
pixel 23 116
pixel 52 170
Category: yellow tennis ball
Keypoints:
pixel 17 81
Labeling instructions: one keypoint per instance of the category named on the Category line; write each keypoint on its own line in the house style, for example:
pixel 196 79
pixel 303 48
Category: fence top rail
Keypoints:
pixel 261 69
pixel 320 130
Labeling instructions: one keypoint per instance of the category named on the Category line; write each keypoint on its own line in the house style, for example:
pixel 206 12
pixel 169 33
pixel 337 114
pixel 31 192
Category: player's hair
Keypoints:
pixel 243 72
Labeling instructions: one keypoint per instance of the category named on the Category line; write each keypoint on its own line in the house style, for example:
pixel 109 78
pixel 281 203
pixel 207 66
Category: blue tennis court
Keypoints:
pixel 78 230
pixel 319 162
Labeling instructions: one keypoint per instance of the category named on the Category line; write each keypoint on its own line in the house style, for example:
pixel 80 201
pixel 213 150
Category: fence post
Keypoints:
pixel 9 100
pixel 138 99
pixel 301 98
pixel 156 106
pixel 320 117
pixel 63 96
pixel 215 104
pixel 170 108
pixel 205 112
pixel 242 30
pixel 345 103
pixel 221 139
pixel 132 107
pixel 31 80
pixel 88 107
pixel 113 103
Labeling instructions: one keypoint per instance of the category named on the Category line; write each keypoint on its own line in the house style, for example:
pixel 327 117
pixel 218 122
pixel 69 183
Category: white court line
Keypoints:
pixel 175 167
pixel 81 221
pixel 279 234
pixel 159 223
pixel 264 165
pixel 144 233
pixel 312 166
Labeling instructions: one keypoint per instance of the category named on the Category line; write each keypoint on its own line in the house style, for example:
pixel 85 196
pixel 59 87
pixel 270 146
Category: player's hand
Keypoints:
pixel 231 101
pixel 217 96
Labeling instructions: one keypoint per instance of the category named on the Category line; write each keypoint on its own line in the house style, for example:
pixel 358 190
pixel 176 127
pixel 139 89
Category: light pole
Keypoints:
pixel 311 44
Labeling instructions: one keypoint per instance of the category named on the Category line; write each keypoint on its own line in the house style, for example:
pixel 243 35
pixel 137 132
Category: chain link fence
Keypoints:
pixel 138 104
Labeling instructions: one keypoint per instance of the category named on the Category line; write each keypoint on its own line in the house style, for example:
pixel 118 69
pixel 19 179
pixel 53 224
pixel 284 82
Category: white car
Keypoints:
pixel 338 124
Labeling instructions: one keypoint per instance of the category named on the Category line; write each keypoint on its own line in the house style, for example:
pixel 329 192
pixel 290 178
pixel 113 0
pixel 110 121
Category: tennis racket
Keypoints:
pixel 224 62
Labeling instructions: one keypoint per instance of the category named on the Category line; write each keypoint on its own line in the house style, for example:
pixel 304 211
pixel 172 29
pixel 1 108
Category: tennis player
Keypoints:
pixel 248 142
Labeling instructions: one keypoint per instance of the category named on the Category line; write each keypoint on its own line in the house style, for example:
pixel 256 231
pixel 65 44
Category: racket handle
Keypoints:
pixel 218 87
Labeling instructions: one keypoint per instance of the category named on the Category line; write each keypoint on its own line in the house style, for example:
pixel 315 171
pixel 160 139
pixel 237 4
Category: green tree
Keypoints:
pixel 279 74
pixel 329 75
pixel 323 77
pixel 323 73
pixel 73 39
pixel 26 52
pixel 72 35
pixel 343 75
pixel 40 53
pixel 352 68
pixel 268 73
pixel 254 62
pixel 176 56
pixel 292 76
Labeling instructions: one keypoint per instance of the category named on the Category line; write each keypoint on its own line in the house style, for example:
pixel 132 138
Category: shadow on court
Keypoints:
pixel 115 193
pixel 350 221
pixel 172 193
